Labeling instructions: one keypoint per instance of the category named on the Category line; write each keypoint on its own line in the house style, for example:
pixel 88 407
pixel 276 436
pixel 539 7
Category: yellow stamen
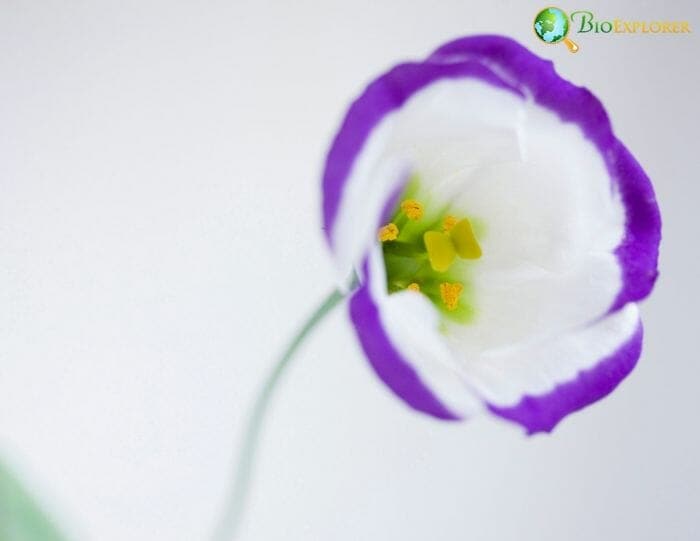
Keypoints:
pixel 413 286
pixel 448 223
pixel 388 232
pixel 450 293
pixel 412 208
pixel 441 251
pixel 464 241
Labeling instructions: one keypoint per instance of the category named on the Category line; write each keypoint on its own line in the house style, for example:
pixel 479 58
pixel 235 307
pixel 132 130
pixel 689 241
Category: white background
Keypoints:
pixel 160 240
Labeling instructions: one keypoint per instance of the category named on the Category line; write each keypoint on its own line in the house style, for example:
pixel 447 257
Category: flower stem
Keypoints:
pixel 230 520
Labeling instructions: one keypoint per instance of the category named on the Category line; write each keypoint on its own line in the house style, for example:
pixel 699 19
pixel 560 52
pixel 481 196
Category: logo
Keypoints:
pixel 552 25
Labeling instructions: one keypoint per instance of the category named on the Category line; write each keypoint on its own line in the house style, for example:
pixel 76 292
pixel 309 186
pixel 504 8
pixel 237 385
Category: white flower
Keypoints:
pixel 501 232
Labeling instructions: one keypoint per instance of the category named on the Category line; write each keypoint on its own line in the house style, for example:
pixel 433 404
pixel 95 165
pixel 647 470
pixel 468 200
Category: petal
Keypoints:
pixel 540 412
pixel 388 363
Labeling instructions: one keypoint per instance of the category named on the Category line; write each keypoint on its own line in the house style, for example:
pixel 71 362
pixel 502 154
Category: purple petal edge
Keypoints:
pixel 387 361
pixel 542 413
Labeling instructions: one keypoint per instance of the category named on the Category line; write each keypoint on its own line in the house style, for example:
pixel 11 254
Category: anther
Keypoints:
pixel 412 208
pixel 450 292
pixel 388 232
pixel 413 286
pixel 448 223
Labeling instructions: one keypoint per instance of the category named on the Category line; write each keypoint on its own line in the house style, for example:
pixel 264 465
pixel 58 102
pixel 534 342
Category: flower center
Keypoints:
pixel 427 251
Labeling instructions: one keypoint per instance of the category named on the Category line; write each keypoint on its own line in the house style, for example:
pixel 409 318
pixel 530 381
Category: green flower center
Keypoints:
pixel 427 249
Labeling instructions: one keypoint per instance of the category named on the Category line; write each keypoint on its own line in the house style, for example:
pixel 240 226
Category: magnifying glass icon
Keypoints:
pixel 552 25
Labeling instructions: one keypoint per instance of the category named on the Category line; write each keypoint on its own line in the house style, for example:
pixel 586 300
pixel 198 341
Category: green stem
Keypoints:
pixel 235 502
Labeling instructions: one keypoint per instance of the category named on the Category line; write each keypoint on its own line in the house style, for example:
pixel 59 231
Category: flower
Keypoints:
pixel 501 233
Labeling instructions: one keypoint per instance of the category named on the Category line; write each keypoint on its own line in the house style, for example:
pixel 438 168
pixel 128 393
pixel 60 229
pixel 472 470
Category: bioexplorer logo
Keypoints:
pixel 553 25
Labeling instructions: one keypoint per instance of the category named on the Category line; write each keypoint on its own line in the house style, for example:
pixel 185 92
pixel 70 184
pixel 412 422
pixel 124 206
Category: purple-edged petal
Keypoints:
pixel 539 383
pixel 386 360
pixel 541 413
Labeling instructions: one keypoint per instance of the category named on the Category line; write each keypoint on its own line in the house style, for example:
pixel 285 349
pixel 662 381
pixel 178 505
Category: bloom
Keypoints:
pixel 501 233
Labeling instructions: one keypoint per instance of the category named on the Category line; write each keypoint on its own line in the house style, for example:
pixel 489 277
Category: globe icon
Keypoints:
pixel 551 25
